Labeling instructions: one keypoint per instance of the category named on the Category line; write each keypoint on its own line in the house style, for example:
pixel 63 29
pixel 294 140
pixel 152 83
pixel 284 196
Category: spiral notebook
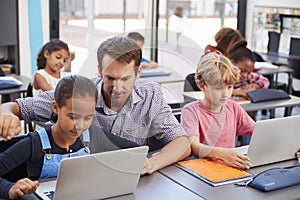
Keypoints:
pixel 214 172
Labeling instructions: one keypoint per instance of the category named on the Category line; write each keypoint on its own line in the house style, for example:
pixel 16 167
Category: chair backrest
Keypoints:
pixel 29 90
pixel 273 43
pixel 190 83
pixel 295 46
pixel 295 63
pixel 29 93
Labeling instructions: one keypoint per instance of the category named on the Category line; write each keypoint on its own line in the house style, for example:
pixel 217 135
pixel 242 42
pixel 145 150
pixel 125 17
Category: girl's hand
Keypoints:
pixel 22 187
pixel 297 154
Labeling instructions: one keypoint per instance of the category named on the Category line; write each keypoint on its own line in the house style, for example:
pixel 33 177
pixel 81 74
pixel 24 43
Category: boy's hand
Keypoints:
pixel 234 159
pixel 22 187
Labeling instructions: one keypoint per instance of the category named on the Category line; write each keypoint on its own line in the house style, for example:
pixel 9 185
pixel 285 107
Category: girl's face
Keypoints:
pixel 216 96
pixel 246 66
pixel 56 60
pixel 75 117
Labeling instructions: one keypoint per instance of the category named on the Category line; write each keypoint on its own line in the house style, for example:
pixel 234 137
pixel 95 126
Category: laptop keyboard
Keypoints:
pixel 50 194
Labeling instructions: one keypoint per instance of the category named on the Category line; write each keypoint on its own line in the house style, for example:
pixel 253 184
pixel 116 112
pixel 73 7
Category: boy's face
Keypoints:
pixel 118 81
pixel 246 66
pixel 218 94
pixel 76 116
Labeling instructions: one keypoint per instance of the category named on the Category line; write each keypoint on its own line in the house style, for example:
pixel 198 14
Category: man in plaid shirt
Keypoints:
pixel 128 108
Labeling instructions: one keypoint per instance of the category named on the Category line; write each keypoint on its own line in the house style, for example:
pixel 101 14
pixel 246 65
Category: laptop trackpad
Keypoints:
pixel 46 189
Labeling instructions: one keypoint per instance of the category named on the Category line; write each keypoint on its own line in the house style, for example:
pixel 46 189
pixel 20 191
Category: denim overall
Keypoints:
pixel 52 161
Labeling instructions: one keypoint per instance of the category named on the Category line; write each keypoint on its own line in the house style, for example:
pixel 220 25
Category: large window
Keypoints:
pixel 84 24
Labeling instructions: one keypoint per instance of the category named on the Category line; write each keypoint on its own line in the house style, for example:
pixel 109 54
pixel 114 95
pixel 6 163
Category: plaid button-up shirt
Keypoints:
pixel 262 81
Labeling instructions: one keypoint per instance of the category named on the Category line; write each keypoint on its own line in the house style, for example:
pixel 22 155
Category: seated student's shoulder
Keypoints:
pixel 192 106
pixel 233 105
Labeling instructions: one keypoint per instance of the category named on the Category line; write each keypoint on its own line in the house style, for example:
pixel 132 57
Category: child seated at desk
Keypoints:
pixel 244 59
pixel 52 58
pixel 140 40
pixel 214 122
pixel 43 150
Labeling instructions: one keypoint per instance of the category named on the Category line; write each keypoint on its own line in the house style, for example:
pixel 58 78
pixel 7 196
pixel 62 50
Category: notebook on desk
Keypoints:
pixel 273 140
pixel 155 72
pixel 96 176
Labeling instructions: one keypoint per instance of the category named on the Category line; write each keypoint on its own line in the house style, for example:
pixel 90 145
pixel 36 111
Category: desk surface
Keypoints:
pixel 293 101
pixel 174 77
pixel 278 58
pixel 231 191
pixel 155 186
pixel 269 71
pixel 23 88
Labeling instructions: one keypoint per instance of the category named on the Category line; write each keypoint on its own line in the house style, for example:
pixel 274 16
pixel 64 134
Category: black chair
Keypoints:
pixel 295 63
pixel 190 83
pixel 29 94
pixel 273 43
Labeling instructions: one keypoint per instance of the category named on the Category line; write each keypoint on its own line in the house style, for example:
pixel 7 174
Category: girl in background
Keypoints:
pixel 225 39
pixel 53 56
pixel 244 59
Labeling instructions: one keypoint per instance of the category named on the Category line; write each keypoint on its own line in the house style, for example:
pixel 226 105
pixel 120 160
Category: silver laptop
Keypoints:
pixel 96 176
pixel 274 140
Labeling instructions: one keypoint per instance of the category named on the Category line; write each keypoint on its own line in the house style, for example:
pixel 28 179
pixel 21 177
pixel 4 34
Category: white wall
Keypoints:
pixel 24 43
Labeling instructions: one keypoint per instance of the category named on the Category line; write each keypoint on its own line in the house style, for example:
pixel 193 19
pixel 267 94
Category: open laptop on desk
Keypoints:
pixel 273 140
pixel 96 176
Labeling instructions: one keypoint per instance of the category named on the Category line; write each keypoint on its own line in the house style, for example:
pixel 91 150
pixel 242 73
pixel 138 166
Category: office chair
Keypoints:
pixel 273 43
pixel 190 83
pixel 295 65
pixel 29 94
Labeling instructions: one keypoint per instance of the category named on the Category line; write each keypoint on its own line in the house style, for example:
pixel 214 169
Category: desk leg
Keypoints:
pixel 272 82
pixel 290 83
pixel 272 113
pixel 288 111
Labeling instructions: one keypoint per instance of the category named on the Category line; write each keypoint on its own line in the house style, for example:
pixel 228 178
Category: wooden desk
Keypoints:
pixel 174 77
pixel 293 101
pixel 21 90
pixel 231 191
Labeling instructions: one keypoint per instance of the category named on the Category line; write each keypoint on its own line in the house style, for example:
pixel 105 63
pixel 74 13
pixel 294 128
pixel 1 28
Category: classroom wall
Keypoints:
pixel 269 3
pixel 33 32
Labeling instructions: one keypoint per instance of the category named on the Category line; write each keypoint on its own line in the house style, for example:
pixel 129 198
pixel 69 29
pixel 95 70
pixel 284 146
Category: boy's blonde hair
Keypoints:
pixel 214 69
